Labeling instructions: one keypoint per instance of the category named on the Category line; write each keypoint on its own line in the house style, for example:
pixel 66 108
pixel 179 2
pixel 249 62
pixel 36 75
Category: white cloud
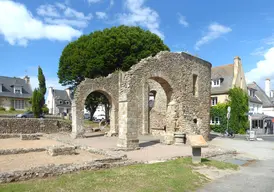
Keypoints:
pixel 63 15
pixel 138 14
pixel 47 10
pixel 101 15
pixel 75 23
pixel 264 69
pixel 18 26
pixel 215 31
pixel 94 1
pixel 75 14
pixel 260 51
pixel 182 20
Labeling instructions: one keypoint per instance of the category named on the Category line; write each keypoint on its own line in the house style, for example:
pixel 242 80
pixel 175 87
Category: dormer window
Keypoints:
pixel 18 90
pixel 67 102
pixel 251 92
pixel 216 83
pixel 60 102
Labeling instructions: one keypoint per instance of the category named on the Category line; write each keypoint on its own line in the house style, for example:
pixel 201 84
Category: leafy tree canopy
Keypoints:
pixel 238 122
pixel 102 52
pixel 238 101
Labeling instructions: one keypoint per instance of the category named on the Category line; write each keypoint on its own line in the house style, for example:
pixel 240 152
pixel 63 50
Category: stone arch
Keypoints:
pixel 156 116
pixel 107 86
pixel 174 71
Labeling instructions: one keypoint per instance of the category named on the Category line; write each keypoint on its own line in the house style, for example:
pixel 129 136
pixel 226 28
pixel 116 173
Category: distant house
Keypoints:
pixel 58 101
pixel 255 103
pixel 261 106
pixel 223 78
pixel 15 92
pixel 265 97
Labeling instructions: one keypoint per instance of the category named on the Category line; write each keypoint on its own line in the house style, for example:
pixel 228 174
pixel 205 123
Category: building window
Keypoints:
pixel 214 101
pixel 195 85
pixel 216 83
pixel 215 121
pixel 60 102
pixel 151 98
pixel 19 104
pixel 67 102
pixel 17 90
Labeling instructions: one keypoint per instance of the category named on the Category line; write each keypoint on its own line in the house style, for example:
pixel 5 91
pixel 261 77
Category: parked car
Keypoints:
pixel 28 114
pixel 100 117
pixel 86 116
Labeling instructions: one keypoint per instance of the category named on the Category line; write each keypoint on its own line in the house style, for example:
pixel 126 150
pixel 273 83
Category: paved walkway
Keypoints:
pixel 258 177
pixel 151 148
pixel 260 150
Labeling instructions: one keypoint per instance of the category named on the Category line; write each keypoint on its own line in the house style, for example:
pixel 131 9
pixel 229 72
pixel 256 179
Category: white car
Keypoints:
pixel 100 117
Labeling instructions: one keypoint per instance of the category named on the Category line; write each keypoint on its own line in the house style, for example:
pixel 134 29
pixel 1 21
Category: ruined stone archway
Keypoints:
pixel 107 86
pixel 185 80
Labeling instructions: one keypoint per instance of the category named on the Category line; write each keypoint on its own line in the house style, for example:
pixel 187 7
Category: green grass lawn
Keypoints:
pixel 11 112
pixel 176 175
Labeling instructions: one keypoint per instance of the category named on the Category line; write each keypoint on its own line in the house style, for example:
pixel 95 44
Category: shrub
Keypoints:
pixel 2 109
pixel 12 109
pixel 45 109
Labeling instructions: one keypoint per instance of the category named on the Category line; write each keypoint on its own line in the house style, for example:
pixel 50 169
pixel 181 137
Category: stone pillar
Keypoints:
pixel 128 130
pixel 170 123
pixel 113 121
pixel 196 155
pixel 145 120
pixel 77 128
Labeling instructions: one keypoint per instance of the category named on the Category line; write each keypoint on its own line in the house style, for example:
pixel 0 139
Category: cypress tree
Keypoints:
pixel 42 83
pixel 37 103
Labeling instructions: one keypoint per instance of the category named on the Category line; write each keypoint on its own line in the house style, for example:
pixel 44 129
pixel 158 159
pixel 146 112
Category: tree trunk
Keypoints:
pixel 107 108
pixel 92 110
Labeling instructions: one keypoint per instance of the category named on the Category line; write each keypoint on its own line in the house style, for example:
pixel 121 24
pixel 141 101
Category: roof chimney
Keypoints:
pixel 27 79
pixel 267 87
pixel 68 92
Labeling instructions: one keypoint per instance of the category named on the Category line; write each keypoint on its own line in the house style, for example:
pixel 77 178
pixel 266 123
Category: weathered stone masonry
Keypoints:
pixel 185 81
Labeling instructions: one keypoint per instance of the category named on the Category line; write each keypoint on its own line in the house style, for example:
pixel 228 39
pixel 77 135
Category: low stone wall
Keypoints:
pixel 55 170
pixel 7 136
pixel 61 150
pixel 29 126
pixel 20 151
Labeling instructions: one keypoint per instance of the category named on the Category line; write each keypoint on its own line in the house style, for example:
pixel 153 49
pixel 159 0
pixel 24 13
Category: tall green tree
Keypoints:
pixel 102 52
pixel 37 103
pixel 42 83
pixel 238 101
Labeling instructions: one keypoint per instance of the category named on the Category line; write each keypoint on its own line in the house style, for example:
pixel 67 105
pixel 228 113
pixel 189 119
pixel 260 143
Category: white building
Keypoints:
pixel 255 104
pixel 100 111
pixel 58 101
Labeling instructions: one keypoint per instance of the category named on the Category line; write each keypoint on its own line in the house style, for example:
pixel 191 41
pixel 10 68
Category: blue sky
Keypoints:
pixel 35 32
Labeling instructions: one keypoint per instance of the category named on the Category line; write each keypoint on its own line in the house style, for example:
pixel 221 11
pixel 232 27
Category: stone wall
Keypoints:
pixel 157 113
pixel 183 84
pixel 28 126
pixel 186 82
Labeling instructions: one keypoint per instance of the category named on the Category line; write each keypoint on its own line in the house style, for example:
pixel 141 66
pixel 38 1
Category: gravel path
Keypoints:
pixel 35 159
pixel 13 143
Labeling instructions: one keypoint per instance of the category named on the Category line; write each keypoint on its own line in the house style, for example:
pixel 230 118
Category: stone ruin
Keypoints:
pixel 164 94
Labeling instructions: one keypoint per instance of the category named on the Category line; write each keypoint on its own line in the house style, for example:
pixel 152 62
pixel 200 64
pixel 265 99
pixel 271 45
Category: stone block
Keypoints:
pixel 61 150
pixel 179 138
pixel 30 136
pixel 168 139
